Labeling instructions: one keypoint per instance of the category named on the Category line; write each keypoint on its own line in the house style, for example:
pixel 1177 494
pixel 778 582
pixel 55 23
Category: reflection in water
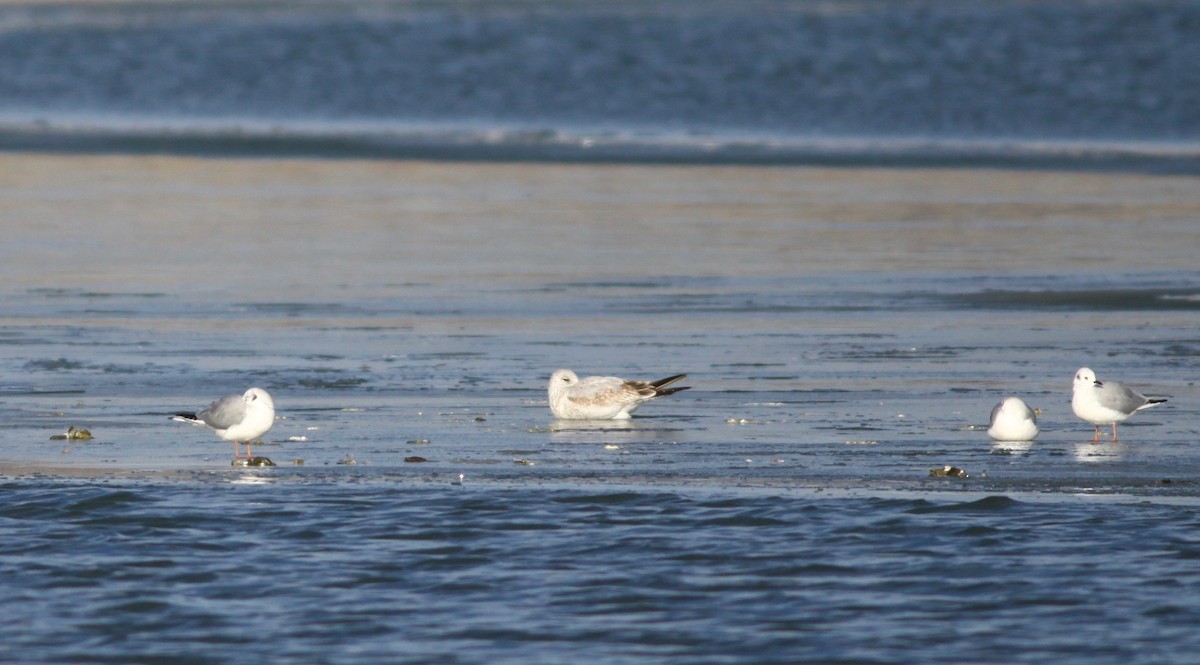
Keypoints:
pixel 612 431
pixel 1011 447
pixel 595 431
pixel 253 479
pixel 1097 452
pixel 591 425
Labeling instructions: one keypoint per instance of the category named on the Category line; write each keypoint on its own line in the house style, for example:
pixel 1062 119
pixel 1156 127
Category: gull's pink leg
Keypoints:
pixel 1096 438
pixel 1114 433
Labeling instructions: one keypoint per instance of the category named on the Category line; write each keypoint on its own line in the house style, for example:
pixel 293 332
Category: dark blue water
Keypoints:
pixel 767 80
pixel 304 570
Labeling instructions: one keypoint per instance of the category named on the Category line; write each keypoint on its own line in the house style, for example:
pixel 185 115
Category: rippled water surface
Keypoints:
pixel 924 80
pixel 291 568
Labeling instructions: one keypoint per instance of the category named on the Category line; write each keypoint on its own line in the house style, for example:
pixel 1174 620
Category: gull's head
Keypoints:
pixel 257 397
pixel 561 379
pixel 1015 405
pixel 1085 378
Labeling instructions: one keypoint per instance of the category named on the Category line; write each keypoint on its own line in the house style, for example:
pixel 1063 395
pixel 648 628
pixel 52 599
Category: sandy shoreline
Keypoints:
pixel 149 283
pixel 178 225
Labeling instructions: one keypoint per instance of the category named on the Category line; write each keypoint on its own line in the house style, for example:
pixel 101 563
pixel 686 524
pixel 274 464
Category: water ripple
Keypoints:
pixel 479 576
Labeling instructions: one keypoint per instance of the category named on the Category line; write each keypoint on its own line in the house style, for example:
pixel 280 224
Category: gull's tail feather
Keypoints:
pixel 1152 402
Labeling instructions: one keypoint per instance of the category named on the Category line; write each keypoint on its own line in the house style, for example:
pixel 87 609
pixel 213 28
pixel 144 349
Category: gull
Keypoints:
pixel 1106 402
pixel 1013 420
pixel 603 397
pixel 236 417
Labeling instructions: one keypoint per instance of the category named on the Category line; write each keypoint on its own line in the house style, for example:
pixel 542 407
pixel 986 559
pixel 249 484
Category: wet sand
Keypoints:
pixel 306 228
pixel 427 293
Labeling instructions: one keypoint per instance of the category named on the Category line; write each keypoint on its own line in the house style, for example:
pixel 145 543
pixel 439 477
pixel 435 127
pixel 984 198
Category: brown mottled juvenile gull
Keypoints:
pixel 603 397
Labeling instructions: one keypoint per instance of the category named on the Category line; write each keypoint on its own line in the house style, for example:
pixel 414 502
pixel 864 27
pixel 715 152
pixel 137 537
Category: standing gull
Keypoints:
pixel 236 418
pixel 1013 420
pixel 1106 402
pixel 603 397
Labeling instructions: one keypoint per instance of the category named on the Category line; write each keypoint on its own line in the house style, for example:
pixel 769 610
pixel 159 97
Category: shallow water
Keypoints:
pixel 845 331
pixel 854 323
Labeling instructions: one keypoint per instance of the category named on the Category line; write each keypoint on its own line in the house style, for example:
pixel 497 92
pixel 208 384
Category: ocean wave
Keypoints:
pixel 481 142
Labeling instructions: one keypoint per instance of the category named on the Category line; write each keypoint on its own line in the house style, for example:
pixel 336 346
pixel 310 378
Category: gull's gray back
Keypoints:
pixel 995 412
pixel 1117 397
pixel 224 413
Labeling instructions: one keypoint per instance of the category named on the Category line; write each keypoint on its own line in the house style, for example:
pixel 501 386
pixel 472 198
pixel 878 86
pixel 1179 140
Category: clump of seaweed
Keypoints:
pixel 73 433
pixel 253 461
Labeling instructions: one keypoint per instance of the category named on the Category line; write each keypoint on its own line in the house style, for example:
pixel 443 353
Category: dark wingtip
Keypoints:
pixel 670 391
pixel 1156 400
pixel 667 381
pixel 189 416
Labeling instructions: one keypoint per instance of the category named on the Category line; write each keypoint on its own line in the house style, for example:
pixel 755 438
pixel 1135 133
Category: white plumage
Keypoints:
pixel 236 418
pixel 1013 420
pixel 1105 402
